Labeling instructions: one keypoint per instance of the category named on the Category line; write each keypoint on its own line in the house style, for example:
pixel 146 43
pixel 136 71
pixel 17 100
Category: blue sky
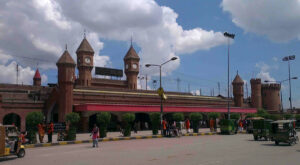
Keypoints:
pixel 191 30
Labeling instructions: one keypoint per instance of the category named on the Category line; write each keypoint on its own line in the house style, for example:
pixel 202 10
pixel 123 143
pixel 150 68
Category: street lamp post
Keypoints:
pixel 160 87
pixel 229 36
pixel 280 82
pixel 288 59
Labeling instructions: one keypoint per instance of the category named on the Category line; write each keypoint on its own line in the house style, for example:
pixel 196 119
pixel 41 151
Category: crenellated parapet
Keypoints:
pixel 274 86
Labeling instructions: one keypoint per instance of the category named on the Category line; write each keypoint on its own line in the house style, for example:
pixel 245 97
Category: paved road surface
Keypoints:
pixel 202 150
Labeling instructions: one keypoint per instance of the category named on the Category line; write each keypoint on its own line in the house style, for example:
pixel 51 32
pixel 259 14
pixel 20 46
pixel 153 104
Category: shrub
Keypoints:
pixel 273 116
pixel 103 120
pixel 297 117
pixel 235 116
pixel 178 117
pixel 262 113
pixel 128 118
pixel 32 120
pixel 72 119
pixel 250 115
pixel 214 115
pixel 288 116
pixel 155 121
pixel 195 118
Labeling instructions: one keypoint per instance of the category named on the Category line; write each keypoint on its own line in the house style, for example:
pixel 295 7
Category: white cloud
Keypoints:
pixel 25 74
pixel 278 20
pixel 39 29
pixel 264 73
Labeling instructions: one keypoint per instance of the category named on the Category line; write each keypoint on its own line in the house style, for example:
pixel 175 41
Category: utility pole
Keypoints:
pixel 246 89
pixel 146 81
pixel 17 73
pixel 189 88
pixel 178 84
pixel 213 91
pixel 200 92
pixel 219 87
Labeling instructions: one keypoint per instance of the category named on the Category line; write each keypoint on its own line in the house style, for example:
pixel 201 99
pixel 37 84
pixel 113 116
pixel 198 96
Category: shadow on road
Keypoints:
pixel 280 145
pixel 7 159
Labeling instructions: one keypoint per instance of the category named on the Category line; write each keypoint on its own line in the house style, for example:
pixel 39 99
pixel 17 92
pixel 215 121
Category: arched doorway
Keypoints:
pixel 92 121
pixel 143 120
pixel 12 118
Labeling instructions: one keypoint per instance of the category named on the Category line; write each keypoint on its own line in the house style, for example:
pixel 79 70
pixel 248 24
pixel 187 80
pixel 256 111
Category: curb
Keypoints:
pixel 110 139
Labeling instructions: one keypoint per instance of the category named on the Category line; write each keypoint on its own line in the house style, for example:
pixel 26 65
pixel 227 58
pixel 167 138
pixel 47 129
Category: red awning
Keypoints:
pixel 155 108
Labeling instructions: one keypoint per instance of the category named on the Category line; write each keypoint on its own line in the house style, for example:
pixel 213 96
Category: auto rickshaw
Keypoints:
pixel 284 131
pixel 262 129
pixel 10 141
pixel 250 123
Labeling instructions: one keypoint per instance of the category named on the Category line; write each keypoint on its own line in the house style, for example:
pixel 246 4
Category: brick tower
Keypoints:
pixel 256 100
pixel 85 62
pixel 66 73
pixel 238 91
pixel 131 63
pixel 37 80
pixel 271 97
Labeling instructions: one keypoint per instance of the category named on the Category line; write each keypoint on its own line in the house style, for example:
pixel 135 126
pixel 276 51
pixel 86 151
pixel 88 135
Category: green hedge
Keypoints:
pixel 235 116
pixel 128 118
pixel 227 126
pixel 213 115
pixel 195 118
pixel 103 120
pixel 155 121
pixel 32 120
pixel 297 117
pixel 72 118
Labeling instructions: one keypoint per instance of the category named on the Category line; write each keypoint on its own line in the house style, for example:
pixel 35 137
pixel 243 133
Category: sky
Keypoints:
pixel 33 34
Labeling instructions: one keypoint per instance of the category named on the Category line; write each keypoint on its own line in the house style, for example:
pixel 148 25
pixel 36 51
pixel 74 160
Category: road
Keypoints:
pixel 202 150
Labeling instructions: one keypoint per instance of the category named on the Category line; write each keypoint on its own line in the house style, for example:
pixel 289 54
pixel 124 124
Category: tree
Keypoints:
pixel 72 119
pixel 250 115
pixel 178 117
pixel 262 113
pixel 273 116
pixel 155 121
pixel 32 120
pixel 103 119
pixel 213 115
pixel 235 116
pixel 287 116
pixel 297 117
pixel 128 118
pixel 195 118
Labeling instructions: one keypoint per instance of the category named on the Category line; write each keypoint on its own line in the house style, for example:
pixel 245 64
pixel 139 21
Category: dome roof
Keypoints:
pixel 37 75
pixel 131 54
pixel 238 79
pixel 85 47
pixel 65 59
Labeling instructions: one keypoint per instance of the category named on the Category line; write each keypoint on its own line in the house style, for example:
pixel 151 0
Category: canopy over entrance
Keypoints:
pixel 156 108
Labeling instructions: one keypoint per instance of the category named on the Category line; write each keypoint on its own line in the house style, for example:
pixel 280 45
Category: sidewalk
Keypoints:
pixel 114 136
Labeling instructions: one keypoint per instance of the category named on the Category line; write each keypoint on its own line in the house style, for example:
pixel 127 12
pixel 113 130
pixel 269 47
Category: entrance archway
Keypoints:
pixel 143 120
pixel 92 121
pixel 12 118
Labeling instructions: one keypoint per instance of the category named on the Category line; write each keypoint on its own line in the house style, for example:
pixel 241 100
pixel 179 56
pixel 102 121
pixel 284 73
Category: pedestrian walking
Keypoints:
pixel 187 125
pixel 95 135
pixel 164 125
pixel 212 125
pixel 50 131
pixel 41 131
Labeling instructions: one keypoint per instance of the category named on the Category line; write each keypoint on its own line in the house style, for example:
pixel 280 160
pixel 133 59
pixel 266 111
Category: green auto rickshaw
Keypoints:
pixel 284 131
pixel 250 123
pixel 262 129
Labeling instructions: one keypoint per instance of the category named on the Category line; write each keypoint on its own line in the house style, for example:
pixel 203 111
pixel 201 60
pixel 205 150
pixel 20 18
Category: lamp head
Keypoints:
pixel 294 78
pixel 174 58
pixel 148 65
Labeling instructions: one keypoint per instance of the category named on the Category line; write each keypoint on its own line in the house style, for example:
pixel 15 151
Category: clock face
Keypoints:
pixel 134 66
pixel 87 60
pixel 126 66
